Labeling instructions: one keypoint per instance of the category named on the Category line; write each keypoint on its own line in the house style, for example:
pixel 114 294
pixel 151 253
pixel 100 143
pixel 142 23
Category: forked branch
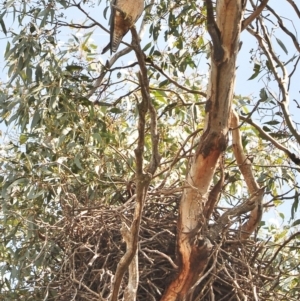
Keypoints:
pixel 255 14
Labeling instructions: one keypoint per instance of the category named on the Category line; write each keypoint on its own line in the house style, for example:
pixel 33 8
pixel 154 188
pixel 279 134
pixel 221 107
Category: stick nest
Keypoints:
pixel 91 245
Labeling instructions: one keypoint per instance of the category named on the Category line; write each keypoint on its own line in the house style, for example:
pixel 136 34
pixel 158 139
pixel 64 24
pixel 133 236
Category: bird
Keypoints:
pixel 121 20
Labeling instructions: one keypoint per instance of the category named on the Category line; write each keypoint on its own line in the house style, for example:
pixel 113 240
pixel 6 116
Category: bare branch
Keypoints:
pixel 245 167
pixel 174 81
pixel 194 250
pixel 255 14
pixel 89 17
pixel 163 255
pixel 227 219
pixel 243 162
pixel 175 160
pixel 295 7
pixel 214 32
pixel 280 22
pixel 133 272
pixel 142 179
pixel 144 83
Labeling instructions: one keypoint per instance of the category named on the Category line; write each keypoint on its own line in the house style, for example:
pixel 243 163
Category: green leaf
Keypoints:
pixel 164 83
pixel 23 138
pixel 147 46
pixel 157 53
pixel 269 65
pixel 295 205
pixel 116 110
pixel 7 51
pixel 36 118
pixel 266 129
pixel 87 37
pixel 29 74
pixel 38 73
pixel 256 70
pixel 272 122
pixel 77 162
pixel 296 223
pixel 33 194
pixel 45 14
pixel 105 12
pixel 32 28
pixel 63 3
pixel 282 45
pixel 97 136
pixel 66 131
pixel 263 94
pixel 2 22
pixel 75 38
pixel 74 68
pixel 7 283
pixel 262 223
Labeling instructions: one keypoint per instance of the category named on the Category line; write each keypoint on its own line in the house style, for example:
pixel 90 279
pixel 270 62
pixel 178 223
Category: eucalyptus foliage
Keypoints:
pixel 64 140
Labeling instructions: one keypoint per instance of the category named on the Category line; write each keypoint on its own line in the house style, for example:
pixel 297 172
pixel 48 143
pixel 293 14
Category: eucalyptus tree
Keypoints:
pixel 143 175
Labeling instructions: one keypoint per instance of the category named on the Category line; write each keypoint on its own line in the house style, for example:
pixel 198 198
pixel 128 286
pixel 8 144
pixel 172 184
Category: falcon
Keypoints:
pixel 122 20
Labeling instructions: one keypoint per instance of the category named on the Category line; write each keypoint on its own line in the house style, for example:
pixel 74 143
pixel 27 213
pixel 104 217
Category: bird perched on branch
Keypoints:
pixel 124 14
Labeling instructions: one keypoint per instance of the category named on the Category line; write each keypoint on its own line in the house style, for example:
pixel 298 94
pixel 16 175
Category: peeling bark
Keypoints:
pixel 133 273
pixel 194 248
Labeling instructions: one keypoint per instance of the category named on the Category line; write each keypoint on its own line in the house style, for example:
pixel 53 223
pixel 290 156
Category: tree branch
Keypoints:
pixel 282 81
pixel 214 195
pixel 119 54
pixel 245 167
pixel 214 32
pixel 193 246
pixel 255 14
pixel 278 145
pixel 88 16
pixel 226 220
pixel 282 246
pixel 142 179
pixel 295 7
pixel 174 82
pixel 281 25
pixel 133 271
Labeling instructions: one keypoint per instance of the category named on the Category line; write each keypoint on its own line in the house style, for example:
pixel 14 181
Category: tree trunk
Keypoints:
pixel 194 246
